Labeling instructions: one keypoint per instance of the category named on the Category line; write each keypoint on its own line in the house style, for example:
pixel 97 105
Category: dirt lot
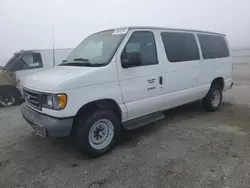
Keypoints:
pixel 191 148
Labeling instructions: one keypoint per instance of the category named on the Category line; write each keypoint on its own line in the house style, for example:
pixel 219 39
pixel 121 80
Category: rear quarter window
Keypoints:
pixel 213 46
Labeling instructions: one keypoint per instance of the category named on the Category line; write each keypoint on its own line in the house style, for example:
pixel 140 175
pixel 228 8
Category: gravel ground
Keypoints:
pixel 190 148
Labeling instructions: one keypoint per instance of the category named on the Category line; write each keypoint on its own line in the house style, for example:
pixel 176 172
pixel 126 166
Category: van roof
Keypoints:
pixel 173 29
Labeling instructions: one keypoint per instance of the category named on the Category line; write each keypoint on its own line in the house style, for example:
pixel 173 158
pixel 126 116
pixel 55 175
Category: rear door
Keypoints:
pixel 140 85
pixel 32 62
pixel 181 67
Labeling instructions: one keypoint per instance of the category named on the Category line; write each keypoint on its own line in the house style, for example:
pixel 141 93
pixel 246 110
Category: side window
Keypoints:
pixel 143 44
pixel 131 47
pixel 213 46
pixel 32 61
pixel 180 46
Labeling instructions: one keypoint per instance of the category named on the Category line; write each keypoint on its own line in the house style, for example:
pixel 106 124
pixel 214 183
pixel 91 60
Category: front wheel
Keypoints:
pixel 97 133
pixel 213 99
pixel 9 99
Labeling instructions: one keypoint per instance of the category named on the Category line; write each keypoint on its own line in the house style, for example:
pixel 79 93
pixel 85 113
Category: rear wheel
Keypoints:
pixel 97 133
pixel 213 99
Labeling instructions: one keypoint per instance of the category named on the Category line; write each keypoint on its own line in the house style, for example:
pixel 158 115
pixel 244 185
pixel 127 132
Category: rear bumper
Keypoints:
pixel 228 84
pixel 231 85
pixel 54 127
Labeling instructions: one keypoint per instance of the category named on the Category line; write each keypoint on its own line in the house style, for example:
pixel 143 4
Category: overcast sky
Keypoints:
pixel 27 24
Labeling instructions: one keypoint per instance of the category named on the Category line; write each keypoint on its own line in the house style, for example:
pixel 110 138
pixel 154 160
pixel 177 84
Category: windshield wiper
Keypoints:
pixel 81 59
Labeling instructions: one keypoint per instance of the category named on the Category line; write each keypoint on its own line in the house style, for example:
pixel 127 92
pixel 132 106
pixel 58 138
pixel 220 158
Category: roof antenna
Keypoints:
pixel 53 39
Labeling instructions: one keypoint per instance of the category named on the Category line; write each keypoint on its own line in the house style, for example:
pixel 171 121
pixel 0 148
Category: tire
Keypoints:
pixel 88 130
pixel 10 97
pixel 213 99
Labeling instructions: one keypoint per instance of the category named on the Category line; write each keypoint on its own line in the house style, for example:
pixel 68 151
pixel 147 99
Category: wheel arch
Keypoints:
pixel 99 104
pixel 219 81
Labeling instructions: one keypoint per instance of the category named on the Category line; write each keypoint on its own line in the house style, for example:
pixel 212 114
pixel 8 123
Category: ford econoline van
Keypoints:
pixel 125 78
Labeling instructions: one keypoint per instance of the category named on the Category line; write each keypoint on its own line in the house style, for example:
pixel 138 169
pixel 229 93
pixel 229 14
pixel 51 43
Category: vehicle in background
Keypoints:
pixel 125 78
pixel 21 65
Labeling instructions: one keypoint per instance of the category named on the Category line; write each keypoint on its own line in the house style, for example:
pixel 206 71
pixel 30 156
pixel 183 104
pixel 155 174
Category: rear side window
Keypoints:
pixel 213 46
pixel 180 46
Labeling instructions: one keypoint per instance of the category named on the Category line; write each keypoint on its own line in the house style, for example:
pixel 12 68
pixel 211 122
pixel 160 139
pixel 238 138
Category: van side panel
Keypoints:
pixel 214 68
pixel 180 78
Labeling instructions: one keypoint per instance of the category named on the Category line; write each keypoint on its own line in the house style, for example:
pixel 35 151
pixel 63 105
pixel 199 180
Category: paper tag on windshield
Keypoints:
pixel 120 31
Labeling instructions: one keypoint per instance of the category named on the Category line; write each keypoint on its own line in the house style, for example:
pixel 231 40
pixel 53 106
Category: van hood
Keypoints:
pixel 48 78
pixel 61 78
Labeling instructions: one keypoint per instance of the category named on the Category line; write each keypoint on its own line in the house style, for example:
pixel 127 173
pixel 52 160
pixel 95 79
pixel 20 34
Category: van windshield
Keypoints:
pixel 11 61
pixel 95 50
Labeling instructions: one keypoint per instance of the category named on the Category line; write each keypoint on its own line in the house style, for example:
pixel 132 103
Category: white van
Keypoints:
pixel 125 77
pixel 21 65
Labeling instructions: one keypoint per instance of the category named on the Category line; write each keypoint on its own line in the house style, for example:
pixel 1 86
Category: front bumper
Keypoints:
pixel 45 125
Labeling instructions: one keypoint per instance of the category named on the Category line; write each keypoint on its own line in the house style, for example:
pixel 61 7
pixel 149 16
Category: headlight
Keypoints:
pixel 57 102
pixel 49 101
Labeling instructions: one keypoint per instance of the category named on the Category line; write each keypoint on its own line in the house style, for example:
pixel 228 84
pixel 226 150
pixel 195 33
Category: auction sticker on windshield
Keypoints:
pixel 120 31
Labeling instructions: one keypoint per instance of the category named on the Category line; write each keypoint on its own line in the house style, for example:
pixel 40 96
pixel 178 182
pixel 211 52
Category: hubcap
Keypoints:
pixel 216 97
pixel 7 100
pixel 101 134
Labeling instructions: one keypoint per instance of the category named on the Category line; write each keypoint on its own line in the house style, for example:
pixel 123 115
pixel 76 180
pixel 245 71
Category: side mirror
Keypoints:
pixel 133 59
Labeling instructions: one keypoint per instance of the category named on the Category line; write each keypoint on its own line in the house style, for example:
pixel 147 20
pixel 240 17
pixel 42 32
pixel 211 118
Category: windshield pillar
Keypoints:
pixel 11 63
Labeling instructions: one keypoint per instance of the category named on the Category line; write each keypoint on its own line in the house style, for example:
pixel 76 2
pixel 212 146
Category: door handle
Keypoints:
pixel 160 80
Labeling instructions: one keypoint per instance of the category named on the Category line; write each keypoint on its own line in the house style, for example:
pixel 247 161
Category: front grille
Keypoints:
pixel 33 98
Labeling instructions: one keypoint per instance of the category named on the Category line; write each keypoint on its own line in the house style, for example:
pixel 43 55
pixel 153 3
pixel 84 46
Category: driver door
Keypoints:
pixel 141 85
